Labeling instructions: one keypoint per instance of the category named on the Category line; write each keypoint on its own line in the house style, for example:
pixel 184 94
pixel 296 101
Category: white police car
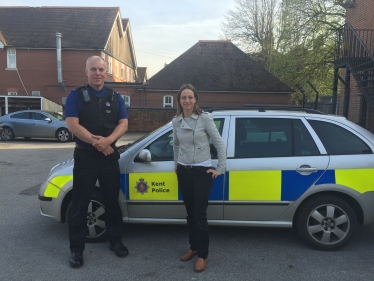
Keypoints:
pixel 285 168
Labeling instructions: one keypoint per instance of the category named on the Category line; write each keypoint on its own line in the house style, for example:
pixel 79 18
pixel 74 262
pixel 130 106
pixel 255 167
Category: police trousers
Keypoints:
pixel 195 184
pixel 91 165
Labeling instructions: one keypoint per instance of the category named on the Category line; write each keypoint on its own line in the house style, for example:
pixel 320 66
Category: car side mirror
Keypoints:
pixel 145 155
pixel 48 120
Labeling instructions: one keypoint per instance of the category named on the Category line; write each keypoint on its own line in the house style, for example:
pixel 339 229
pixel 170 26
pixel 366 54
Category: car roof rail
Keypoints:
pixel 264 108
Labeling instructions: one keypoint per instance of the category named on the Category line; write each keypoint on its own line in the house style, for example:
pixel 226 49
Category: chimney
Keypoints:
pixel 59 64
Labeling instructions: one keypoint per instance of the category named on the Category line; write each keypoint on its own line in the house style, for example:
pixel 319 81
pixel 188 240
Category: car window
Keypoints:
pixel 272 137
pixel 303 141
pixel 38 116
pixel 162 148
pixel 219 124
pixel 21 115
pixel 56 115
pixel 337 140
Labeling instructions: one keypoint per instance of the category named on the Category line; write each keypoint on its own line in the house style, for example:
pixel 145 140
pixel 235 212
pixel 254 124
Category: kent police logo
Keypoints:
pixel 141 186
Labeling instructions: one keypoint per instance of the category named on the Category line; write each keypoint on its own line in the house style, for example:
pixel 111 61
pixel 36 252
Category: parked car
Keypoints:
pixel 1 128
pixel 34 124
pixel 309 171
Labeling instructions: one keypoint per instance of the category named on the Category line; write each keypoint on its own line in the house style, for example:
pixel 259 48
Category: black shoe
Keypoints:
pixel 119 249
pixel 76 259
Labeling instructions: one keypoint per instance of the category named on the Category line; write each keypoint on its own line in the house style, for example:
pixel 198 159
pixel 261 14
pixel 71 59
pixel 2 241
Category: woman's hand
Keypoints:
pixel 215 173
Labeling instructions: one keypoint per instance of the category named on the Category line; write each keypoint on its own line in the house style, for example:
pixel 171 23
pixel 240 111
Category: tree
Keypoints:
pixel 293 39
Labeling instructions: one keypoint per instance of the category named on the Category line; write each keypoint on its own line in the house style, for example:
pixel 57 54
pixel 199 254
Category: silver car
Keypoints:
pixel 309 171
pixel 34 124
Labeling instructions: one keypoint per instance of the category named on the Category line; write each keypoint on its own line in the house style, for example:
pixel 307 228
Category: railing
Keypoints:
pixel 355 49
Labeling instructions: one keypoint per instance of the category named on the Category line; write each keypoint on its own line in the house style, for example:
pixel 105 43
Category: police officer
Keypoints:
pixel 97 117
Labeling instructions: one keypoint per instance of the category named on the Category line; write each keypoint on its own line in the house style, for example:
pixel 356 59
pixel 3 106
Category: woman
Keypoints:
pixel 192 129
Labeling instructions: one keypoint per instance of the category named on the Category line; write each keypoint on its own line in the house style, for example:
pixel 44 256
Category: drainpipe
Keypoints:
pixel 59 64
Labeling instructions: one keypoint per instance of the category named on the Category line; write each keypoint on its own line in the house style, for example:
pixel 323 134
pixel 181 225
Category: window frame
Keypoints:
pixel 124 99
pixel 165 103
pixel 343 127
pixel 110 65
pixel 14 116
pixel 123 71
pixel 116 72
pixel 10 64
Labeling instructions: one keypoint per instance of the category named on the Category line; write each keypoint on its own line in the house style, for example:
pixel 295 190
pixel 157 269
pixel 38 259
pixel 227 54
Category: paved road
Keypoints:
pixel 37 248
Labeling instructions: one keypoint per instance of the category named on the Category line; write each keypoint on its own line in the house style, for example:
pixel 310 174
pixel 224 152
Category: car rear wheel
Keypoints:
pixel 63 135
pixel 7 134
pixel 326 223
pixel 96 231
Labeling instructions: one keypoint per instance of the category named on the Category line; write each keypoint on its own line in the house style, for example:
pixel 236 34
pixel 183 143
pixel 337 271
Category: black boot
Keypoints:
pixel 76 259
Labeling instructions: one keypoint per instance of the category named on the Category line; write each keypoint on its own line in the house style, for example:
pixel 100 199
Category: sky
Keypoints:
pixel 161 30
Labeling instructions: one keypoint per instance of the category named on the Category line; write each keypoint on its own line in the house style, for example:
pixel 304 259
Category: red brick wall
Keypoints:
pixel 148 119
pixel 361 16
pixel 211 99
pixel 38 71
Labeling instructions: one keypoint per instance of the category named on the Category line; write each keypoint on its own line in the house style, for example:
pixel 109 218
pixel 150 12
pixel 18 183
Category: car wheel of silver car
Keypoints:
pixel 96 231
pixel 7 134
pixel 63 135
pixel 326 223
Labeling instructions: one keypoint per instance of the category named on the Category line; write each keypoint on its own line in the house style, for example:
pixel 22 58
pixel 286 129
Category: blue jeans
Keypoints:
pixel 90 166
pixel 195 184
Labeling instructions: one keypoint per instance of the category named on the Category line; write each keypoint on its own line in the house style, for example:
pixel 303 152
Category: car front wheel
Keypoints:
pixel 7 134
pixel 95 229
pixel 63 135
pixel 326 223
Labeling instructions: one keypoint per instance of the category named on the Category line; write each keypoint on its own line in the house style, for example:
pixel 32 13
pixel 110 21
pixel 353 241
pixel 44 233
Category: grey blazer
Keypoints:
pixel 192 146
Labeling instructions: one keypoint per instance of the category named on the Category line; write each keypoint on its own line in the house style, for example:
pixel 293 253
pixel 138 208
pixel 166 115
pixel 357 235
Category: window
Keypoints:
pixel 63 100
pixel 219 124
pixel 127 100
pixel 11 57
pixel 303 142
pixel 109 65
pixel 162 148
pixel 38 116
pixel 168 101
pixel 272 137
pixel 57 115
pixel 116 68
pixel 12 93
pixel 337 140
pixel 103 56
pixel 35 93
pixel 123 72
pixel 21 115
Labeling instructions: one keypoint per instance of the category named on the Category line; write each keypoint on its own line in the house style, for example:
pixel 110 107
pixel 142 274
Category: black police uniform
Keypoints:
pixel 100 117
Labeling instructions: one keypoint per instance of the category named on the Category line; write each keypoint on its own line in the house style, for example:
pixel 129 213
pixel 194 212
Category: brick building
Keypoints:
pixel 223 75
pixel 355 58
pixel 32 63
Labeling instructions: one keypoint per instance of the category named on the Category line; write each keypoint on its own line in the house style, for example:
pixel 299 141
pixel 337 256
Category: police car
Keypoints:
pixel 286 167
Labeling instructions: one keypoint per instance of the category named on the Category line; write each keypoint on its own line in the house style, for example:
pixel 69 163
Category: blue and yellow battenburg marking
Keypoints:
pixel 284 185
pixel 266 185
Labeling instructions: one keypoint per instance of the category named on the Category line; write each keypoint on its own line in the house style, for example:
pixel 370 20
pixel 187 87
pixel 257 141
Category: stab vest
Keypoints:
pixel 100 115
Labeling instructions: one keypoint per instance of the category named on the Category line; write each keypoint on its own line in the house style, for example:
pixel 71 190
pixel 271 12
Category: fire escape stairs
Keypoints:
pixel 356 56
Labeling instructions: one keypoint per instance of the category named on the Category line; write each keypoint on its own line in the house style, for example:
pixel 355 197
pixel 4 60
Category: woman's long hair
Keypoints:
pixel 196 109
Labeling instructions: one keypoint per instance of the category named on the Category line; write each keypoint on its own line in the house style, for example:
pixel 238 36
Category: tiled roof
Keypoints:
pixel 124 23
pixel 216 66
pixel 142 74
pixel 35 27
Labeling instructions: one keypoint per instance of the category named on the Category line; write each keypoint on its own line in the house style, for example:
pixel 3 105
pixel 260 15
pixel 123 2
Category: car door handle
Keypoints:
pixel 306 169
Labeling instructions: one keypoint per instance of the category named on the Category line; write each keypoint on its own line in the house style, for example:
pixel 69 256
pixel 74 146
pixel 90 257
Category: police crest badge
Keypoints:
pixel 141 186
